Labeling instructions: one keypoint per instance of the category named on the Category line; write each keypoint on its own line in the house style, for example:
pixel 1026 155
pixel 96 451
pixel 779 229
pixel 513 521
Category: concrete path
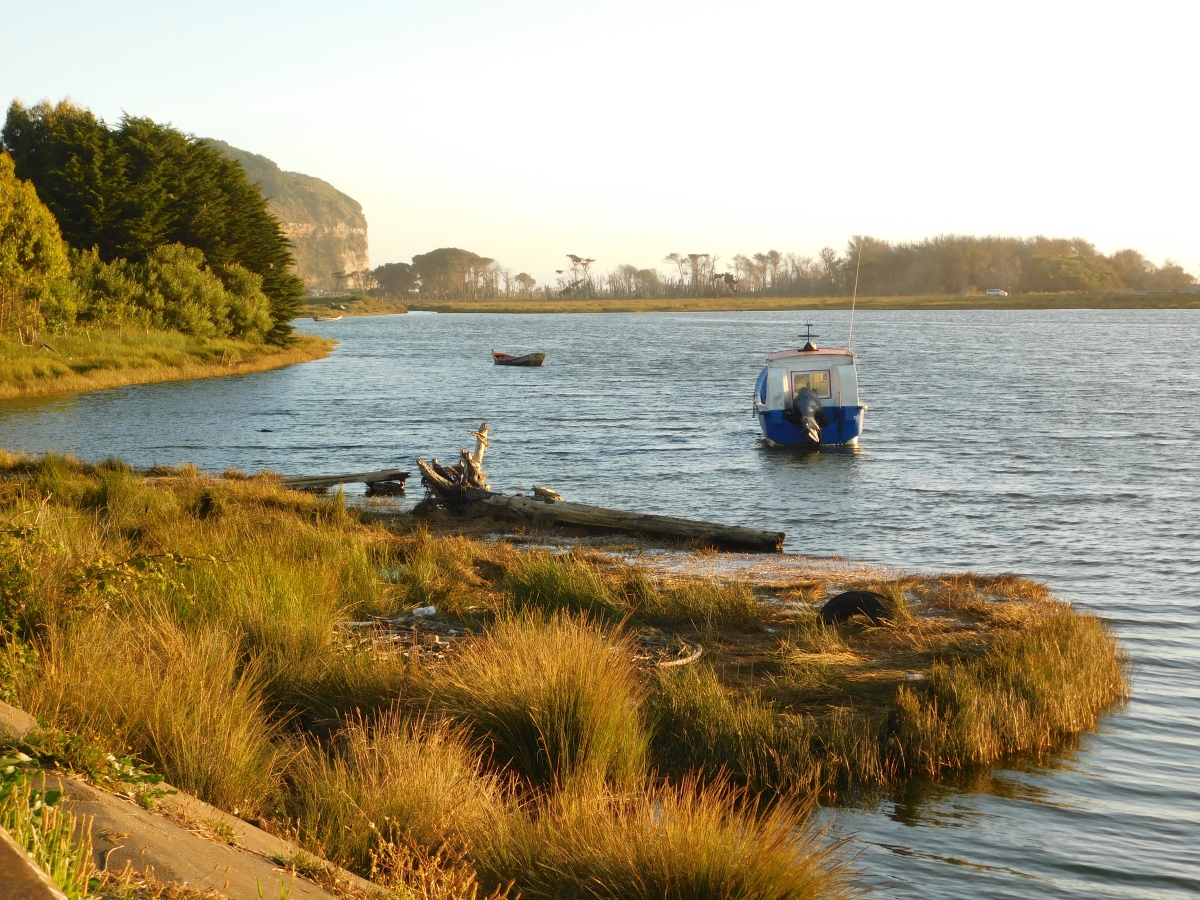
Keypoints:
pixel 182 840
pixel 178 842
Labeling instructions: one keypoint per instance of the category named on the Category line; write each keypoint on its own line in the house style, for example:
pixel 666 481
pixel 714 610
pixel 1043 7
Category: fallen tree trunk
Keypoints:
pixel 307 482
pixel 559 512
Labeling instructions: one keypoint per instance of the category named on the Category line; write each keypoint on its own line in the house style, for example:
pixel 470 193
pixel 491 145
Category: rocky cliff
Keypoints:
pixel 327 228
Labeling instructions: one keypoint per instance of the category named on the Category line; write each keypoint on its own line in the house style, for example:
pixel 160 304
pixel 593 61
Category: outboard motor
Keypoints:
pixel 806 413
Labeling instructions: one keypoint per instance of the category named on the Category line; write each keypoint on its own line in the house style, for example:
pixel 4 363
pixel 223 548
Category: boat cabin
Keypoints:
pixel 792 379
pixel 829 373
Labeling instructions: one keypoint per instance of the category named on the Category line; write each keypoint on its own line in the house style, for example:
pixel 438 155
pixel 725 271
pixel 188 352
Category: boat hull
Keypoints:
pixel 529 360
pixel 845 425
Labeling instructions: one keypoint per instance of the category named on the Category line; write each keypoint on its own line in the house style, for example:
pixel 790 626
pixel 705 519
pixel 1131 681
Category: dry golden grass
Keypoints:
pixel 345 804
pixel 687 840
pixel 105 359
pixel 202 623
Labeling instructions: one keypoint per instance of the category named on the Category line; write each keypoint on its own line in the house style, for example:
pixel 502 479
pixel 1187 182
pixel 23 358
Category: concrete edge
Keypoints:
pixel 20 876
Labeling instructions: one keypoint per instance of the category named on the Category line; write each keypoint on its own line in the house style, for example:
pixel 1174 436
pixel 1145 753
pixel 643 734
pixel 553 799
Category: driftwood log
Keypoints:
pixel 561 512
pixel 463 487
pixel 313 482
pixel 447 483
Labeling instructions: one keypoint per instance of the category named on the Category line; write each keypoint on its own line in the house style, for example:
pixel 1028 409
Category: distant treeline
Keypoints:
pixel 448 273
pixel 137 224
pixel 947 264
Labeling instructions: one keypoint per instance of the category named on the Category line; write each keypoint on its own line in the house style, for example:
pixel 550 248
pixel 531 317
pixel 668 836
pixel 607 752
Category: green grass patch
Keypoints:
pixel 55 839
pixel 93 360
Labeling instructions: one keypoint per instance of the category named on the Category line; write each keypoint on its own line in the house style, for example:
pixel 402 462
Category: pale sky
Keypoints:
pixel 624 131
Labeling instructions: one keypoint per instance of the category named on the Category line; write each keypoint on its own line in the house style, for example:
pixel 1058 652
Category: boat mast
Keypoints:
pixel 854 302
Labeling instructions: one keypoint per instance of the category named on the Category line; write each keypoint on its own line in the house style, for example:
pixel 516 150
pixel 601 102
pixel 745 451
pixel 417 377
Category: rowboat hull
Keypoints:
pixel 528 360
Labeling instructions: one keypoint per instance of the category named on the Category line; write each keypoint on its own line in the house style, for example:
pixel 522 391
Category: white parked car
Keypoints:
pixel 996 292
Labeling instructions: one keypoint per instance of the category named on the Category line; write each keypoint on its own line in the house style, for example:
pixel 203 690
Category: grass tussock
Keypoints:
pixel 557 699
pixel 526 739
pixel 380 788
pixel 669 841
pixel 89 361
pixel 180 700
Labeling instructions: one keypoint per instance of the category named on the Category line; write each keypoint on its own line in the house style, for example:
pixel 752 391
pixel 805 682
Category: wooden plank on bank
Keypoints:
pixel 303 482
pixel 560 512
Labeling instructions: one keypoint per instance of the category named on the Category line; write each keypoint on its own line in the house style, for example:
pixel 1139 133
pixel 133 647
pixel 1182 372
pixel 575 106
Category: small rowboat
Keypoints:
pixel 529 359
pixel 327 318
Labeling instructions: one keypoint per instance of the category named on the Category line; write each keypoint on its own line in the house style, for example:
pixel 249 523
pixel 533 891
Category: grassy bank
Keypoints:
pixel 734 304
pixel 83 361
pixel 528 736
pixel 352 305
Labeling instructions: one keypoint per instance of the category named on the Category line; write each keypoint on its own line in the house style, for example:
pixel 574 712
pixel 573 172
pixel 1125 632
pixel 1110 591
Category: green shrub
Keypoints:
pixel 173 289
pixel 35 284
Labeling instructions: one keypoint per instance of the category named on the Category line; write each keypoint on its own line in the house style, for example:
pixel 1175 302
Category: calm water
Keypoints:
pixel 1058 444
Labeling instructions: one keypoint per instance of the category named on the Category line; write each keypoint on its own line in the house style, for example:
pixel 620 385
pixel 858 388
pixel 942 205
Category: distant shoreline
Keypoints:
pixel 768 304
pixel 79 364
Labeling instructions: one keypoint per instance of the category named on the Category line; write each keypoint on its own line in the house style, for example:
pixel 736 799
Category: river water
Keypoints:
pixel 1058 444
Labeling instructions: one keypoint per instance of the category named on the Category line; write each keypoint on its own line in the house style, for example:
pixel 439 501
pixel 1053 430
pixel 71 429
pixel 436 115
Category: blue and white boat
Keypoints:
pixel 809 397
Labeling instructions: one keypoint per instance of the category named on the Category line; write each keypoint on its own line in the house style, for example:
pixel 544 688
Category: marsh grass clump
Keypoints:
pixel 348 681
pixel 556 697
pixel 447 572
pixel 181 700
pixel 1031 690
pixel 394 783
pixel 574 582
pixel 551 582
pixel 689 601
pixel 703 725
pixel 688 841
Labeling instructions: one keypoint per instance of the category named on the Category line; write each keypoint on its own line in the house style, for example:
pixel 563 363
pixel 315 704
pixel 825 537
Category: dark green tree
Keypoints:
pixel 396 279
pixel 448 271
pixel 129 190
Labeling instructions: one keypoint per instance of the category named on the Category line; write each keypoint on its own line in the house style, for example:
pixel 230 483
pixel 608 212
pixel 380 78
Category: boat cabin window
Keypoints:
pixel 818 381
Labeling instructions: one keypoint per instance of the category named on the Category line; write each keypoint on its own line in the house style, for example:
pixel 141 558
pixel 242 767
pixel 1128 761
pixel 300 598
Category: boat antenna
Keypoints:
pixel 854 302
